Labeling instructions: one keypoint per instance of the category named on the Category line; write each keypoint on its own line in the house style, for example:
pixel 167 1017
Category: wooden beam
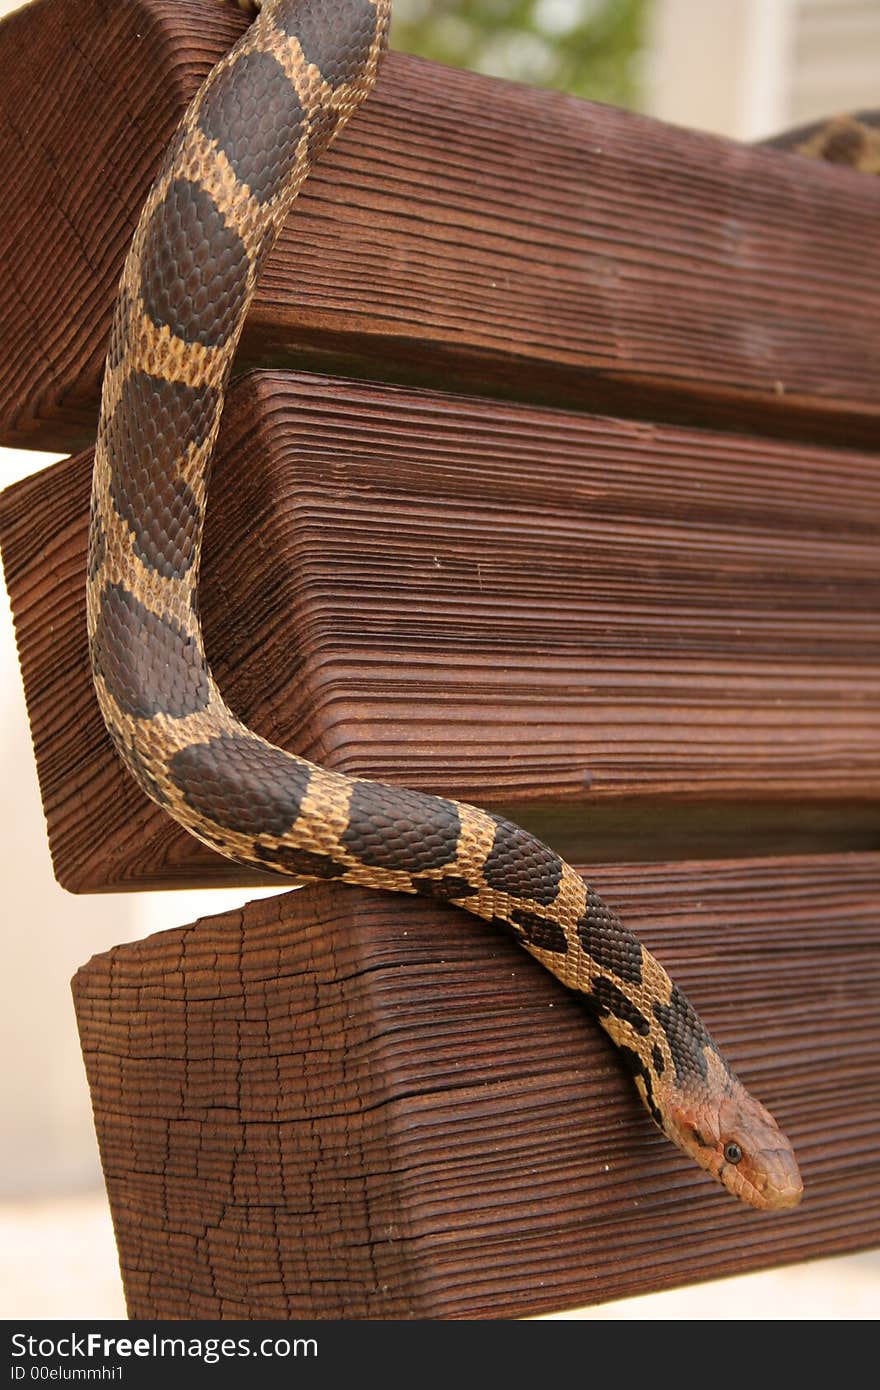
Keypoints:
pixel 465 232
pixel 621 634
pixel 343 1104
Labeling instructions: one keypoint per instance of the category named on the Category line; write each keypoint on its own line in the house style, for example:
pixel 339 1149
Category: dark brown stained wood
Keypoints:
pixel 464 233
pixel 637 639
pixel 90 95
pixel 342 1104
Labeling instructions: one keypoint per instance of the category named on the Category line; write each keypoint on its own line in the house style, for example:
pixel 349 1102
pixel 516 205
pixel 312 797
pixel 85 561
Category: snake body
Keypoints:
pixel 246 144
pixel 851 139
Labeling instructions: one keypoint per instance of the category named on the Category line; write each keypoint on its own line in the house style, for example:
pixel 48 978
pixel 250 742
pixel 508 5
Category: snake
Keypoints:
pixel 243 150
pixel 851 138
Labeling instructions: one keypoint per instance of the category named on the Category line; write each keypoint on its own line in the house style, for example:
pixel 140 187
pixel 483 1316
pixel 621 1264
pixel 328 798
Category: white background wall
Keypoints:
pixel 743 67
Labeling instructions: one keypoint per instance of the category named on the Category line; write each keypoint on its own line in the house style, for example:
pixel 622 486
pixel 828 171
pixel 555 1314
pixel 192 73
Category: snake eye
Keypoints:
pixel 732 1152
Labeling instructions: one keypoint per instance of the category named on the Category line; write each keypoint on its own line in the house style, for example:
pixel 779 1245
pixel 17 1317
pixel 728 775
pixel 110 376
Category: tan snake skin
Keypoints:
pixel 242 152
pixel 851 139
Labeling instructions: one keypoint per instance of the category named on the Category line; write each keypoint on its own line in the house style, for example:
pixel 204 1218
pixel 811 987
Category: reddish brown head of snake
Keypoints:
pixel 734 1138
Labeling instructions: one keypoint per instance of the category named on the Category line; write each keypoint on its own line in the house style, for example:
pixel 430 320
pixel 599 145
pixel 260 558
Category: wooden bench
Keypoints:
pixel 550 482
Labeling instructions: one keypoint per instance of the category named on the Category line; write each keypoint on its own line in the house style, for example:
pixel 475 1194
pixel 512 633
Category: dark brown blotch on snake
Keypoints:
pixel 304 862
pixel 339 53
pixel 194 283
pixel 395 828
pixel 635 1065
pixel 241 783
pixel 256 119
pixel 539 931
pixel 98 546
pixel 521 865
pixel 148 663
pixel 608 998
pixel 682 1026
pixel 449 888
pixel 147 491
pixel 606 940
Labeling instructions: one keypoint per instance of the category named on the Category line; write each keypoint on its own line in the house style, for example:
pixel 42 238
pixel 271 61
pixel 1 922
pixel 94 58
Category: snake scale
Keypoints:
pixel 241 154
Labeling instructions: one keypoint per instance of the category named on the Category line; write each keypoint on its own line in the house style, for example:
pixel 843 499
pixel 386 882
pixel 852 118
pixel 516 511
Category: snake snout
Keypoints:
pixel 757 1162
pixel 777 1182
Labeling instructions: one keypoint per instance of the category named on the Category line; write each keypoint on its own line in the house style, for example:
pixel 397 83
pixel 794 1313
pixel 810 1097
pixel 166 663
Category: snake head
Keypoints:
pixel 730 1134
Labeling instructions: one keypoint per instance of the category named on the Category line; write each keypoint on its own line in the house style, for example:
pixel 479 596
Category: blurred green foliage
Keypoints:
pixel 587 47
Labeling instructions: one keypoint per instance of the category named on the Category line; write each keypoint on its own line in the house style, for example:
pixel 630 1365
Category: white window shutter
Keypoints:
pixel 835 59
pixel 751 68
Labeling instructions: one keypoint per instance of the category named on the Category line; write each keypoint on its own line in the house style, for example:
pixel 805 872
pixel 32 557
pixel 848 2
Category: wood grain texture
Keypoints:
pixel 465 232
pixel 674 632
pixel 343 1104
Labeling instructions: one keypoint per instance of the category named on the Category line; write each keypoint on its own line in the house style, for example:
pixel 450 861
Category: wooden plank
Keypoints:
pixel 465 232
pixel 621 634
pixel 343 1104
